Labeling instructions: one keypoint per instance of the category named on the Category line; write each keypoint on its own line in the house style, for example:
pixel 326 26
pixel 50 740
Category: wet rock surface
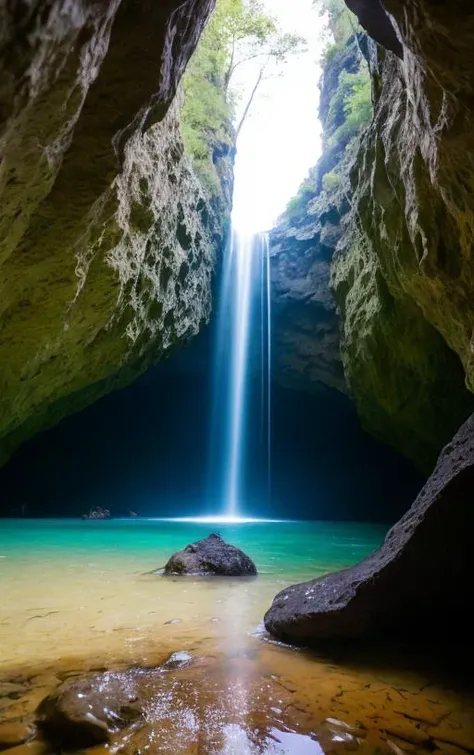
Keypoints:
pixel 266 702
pixel 13 733
pixel 418 584
pixel 85 712
pixel 107 239
pixel 211 556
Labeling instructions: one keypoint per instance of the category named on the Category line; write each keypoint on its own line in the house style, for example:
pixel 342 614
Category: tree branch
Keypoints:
pixel 249 103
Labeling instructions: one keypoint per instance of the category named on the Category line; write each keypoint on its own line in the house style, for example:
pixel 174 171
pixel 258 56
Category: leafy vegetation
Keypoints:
pixel 332 181
pixel 238 32
pixel 342 22
pixel 348 106
pixel 297 204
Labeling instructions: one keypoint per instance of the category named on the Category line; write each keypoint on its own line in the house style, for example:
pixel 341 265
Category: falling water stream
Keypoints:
pixel 244 325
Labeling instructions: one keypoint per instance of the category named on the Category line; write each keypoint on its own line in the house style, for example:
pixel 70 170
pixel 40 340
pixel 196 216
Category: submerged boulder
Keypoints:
pixel 418 583
pixel 86 711
pixel 212 555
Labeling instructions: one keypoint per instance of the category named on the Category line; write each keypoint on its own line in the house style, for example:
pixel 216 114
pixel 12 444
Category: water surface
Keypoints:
pixel 78 596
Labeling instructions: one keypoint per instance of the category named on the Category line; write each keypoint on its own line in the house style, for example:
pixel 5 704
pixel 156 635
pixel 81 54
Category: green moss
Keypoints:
pixel 407 384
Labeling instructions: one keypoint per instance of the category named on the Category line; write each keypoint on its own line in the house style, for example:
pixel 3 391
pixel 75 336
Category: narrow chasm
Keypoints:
pixel 236 377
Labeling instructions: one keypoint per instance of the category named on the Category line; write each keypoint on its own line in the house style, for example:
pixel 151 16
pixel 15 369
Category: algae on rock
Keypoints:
pixel 306 323
pixel 108 239
pixel 404 281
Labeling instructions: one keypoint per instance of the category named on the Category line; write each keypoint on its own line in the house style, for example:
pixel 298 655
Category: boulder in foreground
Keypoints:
pixel 85 712
pixel 419 583
pixel 211 556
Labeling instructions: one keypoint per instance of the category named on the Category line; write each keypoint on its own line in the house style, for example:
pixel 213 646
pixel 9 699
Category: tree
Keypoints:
pixel 255 35
pixel 238 32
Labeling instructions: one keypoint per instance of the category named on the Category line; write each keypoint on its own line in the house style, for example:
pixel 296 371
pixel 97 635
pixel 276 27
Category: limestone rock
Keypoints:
pixel 107 241
pixel 404 282
pixel 211 556
pixel 418 584
pixel 305 322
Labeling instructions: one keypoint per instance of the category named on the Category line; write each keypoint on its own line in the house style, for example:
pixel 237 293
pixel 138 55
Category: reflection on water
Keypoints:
pixel 80 600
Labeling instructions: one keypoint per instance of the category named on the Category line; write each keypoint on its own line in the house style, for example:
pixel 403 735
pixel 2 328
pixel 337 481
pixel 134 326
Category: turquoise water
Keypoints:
pixel 80 596
pixel 73 587
pixel 299 550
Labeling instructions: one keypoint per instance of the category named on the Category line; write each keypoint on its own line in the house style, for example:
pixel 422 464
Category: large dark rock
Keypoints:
pixel 419 583
pixel 211 556
pixel 375 20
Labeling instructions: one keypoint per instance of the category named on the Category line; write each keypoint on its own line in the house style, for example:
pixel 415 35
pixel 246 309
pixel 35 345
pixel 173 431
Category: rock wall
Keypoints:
pixel 306 345
pixel 399 341
pixel 107 242
pixel 404 281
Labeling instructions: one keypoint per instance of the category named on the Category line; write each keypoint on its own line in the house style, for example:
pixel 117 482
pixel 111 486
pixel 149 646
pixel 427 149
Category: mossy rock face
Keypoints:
pixel 405 281
pixel 305 332
pixel 96 200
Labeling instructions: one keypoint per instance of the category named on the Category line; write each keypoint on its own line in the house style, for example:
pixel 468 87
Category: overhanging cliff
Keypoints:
pixel 107 239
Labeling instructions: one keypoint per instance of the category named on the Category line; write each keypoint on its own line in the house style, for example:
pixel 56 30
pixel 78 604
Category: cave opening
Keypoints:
pixel 236 458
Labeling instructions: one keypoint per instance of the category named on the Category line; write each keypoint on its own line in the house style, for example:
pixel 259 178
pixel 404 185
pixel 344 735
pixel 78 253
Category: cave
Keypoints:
pixel 236 405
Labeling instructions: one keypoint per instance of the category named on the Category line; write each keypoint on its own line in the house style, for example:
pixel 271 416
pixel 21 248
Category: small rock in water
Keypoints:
pixel 14 733
pixel 173 621
pixel 211 556
pixel 177 660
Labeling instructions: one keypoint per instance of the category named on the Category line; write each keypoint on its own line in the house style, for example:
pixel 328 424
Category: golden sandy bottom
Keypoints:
pixel 240 695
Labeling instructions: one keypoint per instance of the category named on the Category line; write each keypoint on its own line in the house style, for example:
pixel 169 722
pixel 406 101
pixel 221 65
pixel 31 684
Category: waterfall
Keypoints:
pixel 244 328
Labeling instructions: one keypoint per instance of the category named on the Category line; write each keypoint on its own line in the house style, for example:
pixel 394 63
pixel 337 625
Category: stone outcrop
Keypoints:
pixel 418 584
pixel 107 240
pixel 398 264
pixel 404 279
pixel 305 334
pixel 305 321
pixel 98 513
pixel 211 556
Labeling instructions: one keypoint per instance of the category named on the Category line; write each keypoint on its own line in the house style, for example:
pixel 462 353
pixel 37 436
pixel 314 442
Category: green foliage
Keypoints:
pixel 350 108
pixel 238 31
pixel 332 181
pixel 342 22
pixel 297 204
pixel 331 52
pixel 206 111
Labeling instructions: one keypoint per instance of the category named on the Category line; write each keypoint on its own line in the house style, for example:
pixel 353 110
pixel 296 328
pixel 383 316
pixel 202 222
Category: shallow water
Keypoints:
pixel 79 596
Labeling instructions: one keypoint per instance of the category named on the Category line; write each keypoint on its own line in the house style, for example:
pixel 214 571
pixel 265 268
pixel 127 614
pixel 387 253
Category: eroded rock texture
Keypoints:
pixel 404 282
pixel 305 321
pixel 106 240
pixel 211 556
pixel 417 584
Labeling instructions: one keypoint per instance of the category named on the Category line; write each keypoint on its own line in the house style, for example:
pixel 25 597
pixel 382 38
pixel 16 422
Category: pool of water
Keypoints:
pixel 79 596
